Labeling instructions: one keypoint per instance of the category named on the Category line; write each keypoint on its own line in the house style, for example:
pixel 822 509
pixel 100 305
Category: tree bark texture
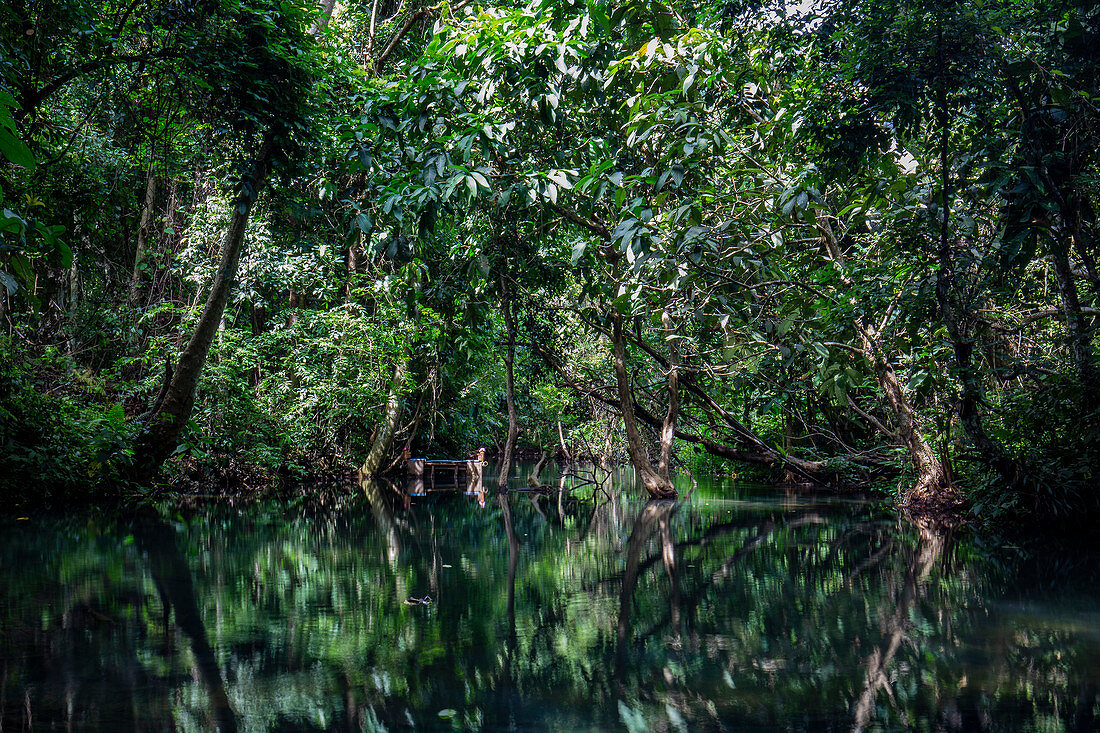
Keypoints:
pixel 1080 337
pixel 668 426
pixel 932 483
pixel 533 477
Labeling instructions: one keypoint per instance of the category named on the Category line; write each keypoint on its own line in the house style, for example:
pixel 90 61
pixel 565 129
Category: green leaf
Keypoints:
pixel 561 178
pixel 9 282
pixel 578 252
pixel 598 12
pixel 66 253
pixel 918 378
pixel 14 149
pixel 12 223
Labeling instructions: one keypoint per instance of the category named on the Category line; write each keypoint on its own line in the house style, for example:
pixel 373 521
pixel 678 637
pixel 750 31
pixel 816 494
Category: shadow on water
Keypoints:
pixel 575 607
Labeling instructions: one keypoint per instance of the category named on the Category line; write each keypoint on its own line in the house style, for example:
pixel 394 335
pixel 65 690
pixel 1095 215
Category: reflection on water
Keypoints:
pixel 582 609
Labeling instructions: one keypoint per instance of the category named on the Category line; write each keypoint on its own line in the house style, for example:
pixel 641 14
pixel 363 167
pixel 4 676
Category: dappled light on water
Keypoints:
pixel 744 609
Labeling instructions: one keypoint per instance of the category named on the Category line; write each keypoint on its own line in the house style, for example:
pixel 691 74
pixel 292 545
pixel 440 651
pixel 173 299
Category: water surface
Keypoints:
pixel 739 608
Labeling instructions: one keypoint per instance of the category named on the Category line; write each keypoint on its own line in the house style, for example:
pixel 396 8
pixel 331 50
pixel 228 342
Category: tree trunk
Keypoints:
pixel 383 436
pixel 960 324
pixel 509 388
pixel 293 302
pixel 369 53
pixel 759 452
pixel 144 232
pixel 564 449
pixel 161 433
pixel 74 297
pixel 323 18
pixel 355 262
pixel 1069 230
pixel 658 486
pixel 533 477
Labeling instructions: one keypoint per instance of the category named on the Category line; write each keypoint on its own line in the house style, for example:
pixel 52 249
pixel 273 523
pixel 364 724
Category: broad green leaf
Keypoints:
pixel 14 149
pixel 578 252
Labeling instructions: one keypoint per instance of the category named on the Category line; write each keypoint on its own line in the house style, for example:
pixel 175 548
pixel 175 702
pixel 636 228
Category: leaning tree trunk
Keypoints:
pixel 932 477
pixel 161 433
pixel 509 388
pixel 933 482
pixel 383 438
pixel 533 477
pixel 1080 338
pixel 658 486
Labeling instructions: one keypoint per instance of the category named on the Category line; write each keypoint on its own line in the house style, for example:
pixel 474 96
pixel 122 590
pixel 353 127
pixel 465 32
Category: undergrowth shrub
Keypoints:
pixel 61 436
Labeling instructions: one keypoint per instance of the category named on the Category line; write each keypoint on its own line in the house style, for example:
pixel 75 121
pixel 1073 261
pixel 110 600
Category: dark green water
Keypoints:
pixel 738 609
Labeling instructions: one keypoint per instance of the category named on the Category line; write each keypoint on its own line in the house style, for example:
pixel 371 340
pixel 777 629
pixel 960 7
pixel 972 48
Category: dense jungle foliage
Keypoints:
pixel 843 243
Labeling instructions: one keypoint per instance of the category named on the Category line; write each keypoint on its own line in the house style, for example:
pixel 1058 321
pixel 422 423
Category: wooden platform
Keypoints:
pixel 428 473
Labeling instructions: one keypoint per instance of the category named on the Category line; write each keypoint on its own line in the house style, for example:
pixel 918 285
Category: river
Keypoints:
pixel 740 608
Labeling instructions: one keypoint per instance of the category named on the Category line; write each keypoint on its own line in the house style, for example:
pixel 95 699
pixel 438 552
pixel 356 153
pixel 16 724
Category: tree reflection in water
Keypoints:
pixel 896 624
pixel 764 612
pixel 172 579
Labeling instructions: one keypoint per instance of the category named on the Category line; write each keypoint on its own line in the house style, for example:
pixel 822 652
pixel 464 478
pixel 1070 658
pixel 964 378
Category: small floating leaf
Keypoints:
pixel 447 713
